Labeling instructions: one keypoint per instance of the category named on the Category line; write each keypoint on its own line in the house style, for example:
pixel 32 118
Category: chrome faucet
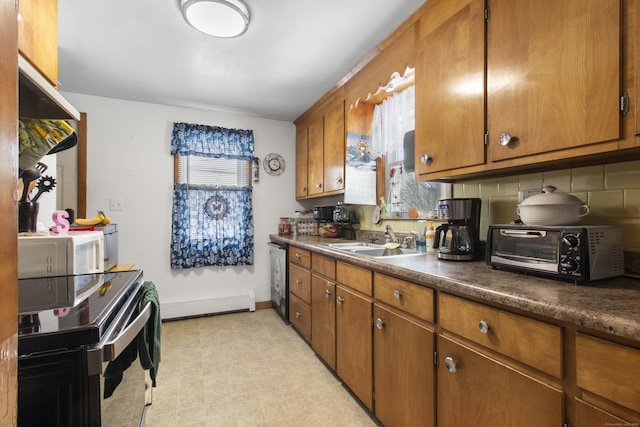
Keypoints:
pixel 390 235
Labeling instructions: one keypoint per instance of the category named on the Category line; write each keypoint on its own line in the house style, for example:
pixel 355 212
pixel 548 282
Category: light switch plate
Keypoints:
pixel 116 204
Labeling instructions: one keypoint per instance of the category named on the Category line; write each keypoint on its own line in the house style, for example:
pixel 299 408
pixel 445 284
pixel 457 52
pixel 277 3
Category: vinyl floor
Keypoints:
pixel 246 369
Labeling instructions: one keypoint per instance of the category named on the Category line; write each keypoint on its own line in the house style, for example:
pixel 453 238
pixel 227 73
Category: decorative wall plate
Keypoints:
pixel 273 164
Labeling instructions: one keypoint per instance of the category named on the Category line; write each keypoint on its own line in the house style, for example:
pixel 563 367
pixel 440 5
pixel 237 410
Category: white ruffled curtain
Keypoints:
pixel 392 118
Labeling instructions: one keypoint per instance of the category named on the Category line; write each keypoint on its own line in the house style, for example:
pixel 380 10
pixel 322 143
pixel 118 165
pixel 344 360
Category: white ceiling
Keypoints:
pixel 292 54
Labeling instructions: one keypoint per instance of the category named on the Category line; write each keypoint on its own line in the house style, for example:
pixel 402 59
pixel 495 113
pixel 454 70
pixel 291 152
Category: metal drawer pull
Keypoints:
pixel 397 294
pixel 339 300
pixel 450 364
pixel 298 314
pixel 327 293
pixel 379 323
pixel 484 327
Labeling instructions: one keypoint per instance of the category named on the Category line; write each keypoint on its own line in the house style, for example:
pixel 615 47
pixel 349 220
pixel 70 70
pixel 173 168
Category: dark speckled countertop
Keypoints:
pixel 609 306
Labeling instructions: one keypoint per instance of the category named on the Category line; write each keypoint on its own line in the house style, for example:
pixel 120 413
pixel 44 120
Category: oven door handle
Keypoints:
pixel 114 347
pixel 116 340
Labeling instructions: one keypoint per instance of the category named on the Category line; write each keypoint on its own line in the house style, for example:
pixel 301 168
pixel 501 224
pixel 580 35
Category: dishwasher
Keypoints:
pixel 279 282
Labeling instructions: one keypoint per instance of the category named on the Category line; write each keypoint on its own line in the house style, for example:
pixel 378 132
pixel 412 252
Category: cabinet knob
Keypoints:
pixel 484 327
pixel 450 364
pixel 426 158
pixel 298 314
pixel 298 281
pixel 339 300
pixel 297 255
pixel 304 189
pixel 327 293
pixel 505 139
pixel 319 185
pixel 339 180
pixel 379 323
pixel 397 294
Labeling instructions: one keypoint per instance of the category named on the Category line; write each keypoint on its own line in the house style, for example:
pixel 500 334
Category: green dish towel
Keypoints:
pixel 149 337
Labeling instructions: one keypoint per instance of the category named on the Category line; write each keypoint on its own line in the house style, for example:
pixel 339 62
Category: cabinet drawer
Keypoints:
pixel 300 256
pixel 357 278
pixel 414 299
pixel 300 283
pixel 323 265
pixel 300 316
pixel 529 341
pixel 609 370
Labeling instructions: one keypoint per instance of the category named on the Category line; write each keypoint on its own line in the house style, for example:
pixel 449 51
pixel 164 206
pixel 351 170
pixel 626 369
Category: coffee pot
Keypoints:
pixel 458 239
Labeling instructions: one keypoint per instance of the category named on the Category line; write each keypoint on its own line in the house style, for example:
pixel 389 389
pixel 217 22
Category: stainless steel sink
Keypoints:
pixel 352 245
pixel 386 253
pixel 371 250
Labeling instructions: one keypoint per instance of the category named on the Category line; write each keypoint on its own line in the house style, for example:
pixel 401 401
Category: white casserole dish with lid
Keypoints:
pixel 552 208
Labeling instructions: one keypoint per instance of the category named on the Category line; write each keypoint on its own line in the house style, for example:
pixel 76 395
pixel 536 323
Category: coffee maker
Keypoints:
pixel 459 238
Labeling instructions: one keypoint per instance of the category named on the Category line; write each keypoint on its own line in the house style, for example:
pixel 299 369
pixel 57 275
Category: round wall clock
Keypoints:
pixel 274 164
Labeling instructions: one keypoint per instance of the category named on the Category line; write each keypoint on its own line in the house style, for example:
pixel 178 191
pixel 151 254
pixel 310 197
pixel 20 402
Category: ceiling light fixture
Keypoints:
pixel 218 18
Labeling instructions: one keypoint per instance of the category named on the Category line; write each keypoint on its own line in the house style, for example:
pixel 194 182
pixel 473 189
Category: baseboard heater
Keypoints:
pixel 202 307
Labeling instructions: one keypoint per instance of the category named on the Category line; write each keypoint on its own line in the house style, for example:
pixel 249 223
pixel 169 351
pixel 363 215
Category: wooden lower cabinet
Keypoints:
pixel 300 316
pixel 608 377
pixel 323 319
pixel 403 370
pixel 476 390
pixel 354 343
pixel 588 416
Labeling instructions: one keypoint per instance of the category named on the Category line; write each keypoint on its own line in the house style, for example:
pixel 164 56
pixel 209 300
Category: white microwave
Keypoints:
pixel 79 252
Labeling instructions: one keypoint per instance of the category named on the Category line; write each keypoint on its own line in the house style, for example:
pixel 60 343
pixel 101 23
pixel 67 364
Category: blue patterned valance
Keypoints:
pixel 211 225
pixel 202 140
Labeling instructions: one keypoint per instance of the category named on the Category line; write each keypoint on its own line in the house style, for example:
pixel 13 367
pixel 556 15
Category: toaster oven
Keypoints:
pixel 576 253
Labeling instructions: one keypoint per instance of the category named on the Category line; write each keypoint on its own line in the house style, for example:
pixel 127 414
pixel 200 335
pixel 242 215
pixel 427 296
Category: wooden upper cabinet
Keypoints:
pixel 553 75
pixel 320 148
pixel 38 36
pixel 335 140
pixel 395 56
pixel 302 156
pixel 450 78
pixel 315 160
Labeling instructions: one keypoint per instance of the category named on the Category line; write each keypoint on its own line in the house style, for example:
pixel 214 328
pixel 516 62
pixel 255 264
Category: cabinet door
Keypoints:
pixel 475 390
pixel 302 155
pixel 588 415
pixel 553 75
pixel 335 140
pixel 403 370
pixel 315 157
pixel 38 36
pixel 450 99
pixel 354 343
pixel 323 319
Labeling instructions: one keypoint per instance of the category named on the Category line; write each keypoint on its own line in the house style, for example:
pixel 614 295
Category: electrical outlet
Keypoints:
pixel 116 204
pixel 523 194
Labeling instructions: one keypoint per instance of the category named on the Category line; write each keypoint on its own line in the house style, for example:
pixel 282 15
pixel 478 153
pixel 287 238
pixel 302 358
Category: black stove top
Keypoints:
pixel 69 311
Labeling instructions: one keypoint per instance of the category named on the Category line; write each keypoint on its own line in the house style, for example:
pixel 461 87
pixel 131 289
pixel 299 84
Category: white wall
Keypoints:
pixel 129 158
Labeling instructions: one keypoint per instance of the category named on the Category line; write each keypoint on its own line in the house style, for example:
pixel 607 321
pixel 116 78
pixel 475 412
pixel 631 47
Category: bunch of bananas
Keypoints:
pixel 100 218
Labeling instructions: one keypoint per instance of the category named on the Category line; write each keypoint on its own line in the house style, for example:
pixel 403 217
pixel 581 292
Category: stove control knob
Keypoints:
pixel 569 265
pixel 570 240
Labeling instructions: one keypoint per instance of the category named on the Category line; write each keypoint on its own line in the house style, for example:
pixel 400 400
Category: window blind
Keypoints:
pixel 213 171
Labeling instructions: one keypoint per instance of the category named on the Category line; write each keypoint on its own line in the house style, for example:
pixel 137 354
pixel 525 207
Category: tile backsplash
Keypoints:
pixel 612 192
